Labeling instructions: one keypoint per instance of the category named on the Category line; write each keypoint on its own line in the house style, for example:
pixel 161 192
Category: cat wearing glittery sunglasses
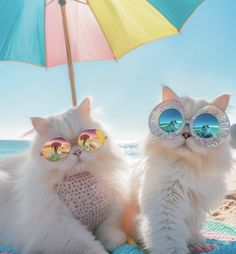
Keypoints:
pixel 68 193
pixel 187 156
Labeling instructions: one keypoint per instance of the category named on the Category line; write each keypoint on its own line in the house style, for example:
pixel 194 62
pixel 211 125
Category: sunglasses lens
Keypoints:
pixel 206 126
pixel 91 140
pixel 56 149
pixel 170 120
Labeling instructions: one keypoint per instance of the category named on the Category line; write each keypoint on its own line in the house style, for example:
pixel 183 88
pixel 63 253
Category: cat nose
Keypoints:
pixel 76 151
pixel 186 131
pixel 186 135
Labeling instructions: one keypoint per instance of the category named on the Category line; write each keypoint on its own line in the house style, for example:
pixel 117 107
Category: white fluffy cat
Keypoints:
pixel 33 219
pixel 181 181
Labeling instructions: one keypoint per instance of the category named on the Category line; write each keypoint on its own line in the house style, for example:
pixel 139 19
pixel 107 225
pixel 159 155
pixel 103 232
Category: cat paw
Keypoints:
pixel 202 247
pixel 99 249
pixel 98 252
pixel 196 239
pixel 111 238
pixel 178 251
pixel 170 251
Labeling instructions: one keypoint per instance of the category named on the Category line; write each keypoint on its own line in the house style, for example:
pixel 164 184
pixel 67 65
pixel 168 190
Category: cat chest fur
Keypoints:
pixel 87 197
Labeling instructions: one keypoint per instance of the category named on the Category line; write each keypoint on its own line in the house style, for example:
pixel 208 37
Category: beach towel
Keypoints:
pixel 216 232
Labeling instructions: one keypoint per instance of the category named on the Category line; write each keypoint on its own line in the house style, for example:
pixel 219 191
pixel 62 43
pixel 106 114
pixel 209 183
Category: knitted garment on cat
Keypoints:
pixel 88 198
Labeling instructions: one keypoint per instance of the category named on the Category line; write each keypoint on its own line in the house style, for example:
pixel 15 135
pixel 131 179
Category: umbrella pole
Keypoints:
pixel 68 51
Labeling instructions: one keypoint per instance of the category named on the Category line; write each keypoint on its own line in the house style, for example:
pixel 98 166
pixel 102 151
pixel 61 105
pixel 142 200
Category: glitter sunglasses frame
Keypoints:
pixel 222 118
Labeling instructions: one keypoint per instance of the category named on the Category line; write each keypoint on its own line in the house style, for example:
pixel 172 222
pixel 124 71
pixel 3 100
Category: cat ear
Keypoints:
pixel 222 102
pixel 85 106
pixel 39 124
pixel 168 94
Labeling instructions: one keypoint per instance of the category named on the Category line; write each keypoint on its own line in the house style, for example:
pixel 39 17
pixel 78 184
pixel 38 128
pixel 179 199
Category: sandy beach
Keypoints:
pixel 226 212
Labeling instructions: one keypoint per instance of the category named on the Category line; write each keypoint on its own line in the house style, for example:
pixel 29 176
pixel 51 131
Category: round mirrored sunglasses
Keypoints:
pixel 209 126
pixel 59 148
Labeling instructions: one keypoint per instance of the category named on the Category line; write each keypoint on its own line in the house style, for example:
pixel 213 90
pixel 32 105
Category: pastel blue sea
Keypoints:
pixel 12 147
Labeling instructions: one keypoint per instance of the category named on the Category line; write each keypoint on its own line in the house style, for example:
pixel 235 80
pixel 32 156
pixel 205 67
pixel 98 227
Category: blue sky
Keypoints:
pixel 201 62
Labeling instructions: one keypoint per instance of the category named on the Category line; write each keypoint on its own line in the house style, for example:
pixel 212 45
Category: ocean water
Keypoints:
pixel 13 147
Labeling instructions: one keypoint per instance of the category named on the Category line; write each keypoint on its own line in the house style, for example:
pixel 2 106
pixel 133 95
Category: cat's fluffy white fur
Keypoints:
pixel 32 217
pixel 181 181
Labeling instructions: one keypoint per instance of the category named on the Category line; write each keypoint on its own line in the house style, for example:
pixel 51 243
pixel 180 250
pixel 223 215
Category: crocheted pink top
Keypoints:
pixel 88 198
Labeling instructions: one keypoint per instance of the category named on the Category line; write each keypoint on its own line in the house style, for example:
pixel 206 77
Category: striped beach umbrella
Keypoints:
pixel 55 32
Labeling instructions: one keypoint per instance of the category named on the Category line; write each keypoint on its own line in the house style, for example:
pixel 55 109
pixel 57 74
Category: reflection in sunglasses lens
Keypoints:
pixel 56 149
pixel 206 125
pixel 91 140
pixel 170 120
